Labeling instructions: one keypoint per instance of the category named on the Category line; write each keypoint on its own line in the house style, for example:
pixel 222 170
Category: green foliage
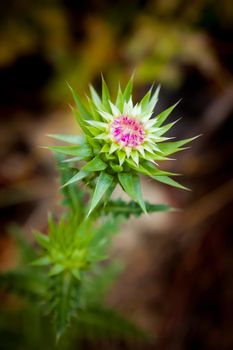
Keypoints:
pixel 126 209
pixel 103 323
pixel 75 302
pixel 75 244
pixel 65 278
pixel 70 251
pixel 72 247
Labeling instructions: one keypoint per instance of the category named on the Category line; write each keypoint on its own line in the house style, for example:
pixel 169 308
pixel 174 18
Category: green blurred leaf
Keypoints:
pixel 42 261
pixel 76 139
pixel 42 239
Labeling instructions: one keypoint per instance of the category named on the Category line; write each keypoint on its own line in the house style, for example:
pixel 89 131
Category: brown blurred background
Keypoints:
pixel 178 279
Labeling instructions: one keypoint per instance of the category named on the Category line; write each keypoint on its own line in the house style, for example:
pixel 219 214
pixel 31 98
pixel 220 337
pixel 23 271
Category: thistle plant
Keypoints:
pixel 119 141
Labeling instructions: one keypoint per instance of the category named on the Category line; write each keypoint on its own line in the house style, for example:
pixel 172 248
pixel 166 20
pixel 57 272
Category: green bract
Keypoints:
pixel 120 141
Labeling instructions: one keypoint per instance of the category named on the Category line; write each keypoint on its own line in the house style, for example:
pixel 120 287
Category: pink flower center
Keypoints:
pixel 127 131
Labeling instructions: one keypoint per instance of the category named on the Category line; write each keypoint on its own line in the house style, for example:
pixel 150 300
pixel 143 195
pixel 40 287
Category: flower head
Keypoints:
pixel 120 141
pixel 127 131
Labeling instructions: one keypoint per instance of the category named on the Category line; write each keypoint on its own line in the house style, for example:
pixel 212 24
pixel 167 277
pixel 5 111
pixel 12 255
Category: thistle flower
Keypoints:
pixel 120 141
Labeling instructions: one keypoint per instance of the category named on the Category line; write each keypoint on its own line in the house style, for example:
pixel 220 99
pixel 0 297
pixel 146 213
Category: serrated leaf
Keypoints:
pixel 96 164
pixel 64 301
pixel 126 209
pixel 131 185
pixel 103 183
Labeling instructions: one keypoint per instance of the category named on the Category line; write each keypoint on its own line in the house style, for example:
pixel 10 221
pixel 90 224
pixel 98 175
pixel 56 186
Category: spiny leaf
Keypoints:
pixel 168 181
pixel 63 301
pixel 77 177
pixel 171 147
pixel 80 120
pixel 145 100
pixel 131 185
pixel 164 115
pixel 93 109
pixel 149 170
pixel 95 97
pixel 82 109
pixel 103 183
pixel 26 282
pixel 126 209
pixel 166 127
pixel 120 99
pixel 83 151
pixel 154 99
pixel 105 94
pixel 128 89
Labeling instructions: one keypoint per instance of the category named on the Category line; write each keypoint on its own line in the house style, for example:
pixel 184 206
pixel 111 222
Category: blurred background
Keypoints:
pixel 178 282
